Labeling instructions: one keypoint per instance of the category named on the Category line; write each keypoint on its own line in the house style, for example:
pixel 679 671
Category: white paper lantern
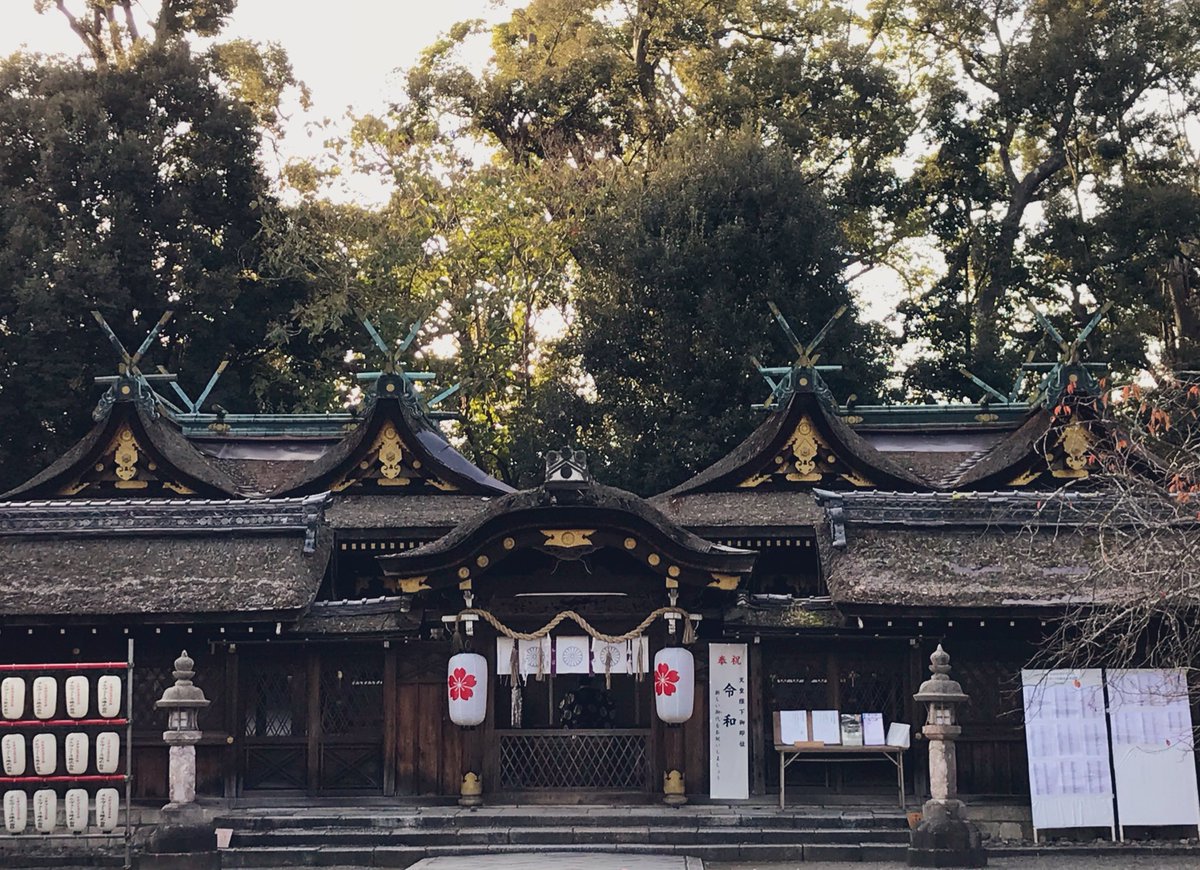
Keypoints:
pixel 466 684
pixel 108 696
pixel 12 747
pixel 45 810
pixel 76 690
pixel 75 749
pixel 16 811
pixel 45 755
pixel 76 802
pixel 45 697
pixel 674 684
pixel 12 697
pixel 108 751
pixel 108 805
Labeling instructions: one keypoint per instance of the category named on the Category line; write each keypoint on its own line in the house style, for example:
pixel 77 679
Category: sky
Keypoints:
pixel 348 52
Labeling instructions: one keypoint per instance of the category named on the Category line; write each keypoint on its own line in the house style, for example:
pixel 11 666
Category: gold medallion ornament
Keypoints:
pixel 125 456
pixel 805 458
pixel 568 538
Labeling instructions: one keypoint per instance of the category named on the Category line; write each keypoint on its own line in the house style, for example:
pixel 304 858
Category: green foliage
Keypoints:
pixel 675 275
pixel 130 190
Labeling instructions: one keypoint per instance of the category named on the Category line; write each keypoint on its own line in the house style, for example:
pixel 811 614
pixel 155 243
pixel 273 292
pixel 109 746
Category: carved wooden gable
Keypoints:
pixel 804 460
pixel 125 467
pixel 1066 453
pixel 387 462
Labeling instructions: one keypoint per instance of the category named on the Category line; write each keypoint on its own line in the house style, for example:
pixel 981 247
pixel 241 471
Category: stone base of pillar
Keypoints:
pixel 945 838
pixel 185 830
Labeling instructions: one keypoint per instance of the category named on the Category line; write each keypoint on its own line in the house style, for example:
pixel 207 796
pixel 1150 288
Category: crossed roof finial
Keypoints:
pixel 783 379
pixel 129 381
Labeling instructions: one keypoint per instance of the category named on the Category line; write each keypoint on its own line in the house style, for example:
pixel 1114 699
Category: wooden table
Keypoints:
pixel 827 754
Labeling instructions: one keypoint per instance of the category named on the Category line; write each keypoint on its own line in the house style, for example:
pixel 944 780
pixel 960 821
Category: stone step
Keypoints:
pixel 560 834
pixel 481 819
pixel 261 858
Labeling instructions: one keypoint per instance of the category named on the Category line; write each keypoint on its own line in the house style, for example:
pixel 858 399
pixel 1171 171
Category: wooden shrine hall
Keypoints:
pixel 322 570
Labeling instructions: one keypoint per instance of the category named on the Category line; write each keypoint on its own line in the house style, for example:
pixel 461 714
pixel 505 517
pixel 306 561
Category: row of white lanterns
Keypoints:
pixel 674 687
pixel 45 810
pixel 77 691
pixel 45 753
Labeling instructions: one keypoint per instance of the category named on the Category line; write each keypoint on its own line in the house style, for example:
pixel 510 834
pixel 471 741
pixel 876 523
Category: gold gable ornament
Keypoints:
pixel 1073 445
pixel 806 457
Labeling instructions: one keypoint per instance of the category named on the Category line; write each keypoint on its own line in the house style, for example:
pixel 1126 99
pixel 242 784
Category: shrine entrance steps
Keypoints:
pixel 399 837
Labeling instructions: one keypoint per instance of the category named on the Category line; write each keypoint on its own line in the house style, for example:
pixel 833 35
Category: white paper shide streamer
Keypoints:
pixel 76 751
pixel 45 810
pixel 12 746
pixel 12 697
pixel 45 756
pixel 108 751
pixel 108 696
pixel 16 811
pixel 76 802
pixel 45 698
pixel 108 804
pixel 77 691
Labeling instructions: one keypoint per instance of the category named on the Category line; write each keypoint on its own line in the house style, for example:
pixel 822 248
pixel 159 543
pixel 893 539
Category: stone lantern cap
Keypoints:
pixel 184 693
pixel 940 689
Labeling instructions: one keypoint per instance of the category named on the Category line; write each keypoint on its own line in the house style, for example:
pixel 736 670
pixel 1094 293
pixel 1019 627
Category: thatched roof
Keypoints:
pixel 162 560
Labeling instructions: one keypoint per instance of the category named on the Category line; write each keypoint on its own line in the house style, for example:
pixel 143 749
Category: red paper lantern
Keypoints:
pixel 466 687
pixel 674 684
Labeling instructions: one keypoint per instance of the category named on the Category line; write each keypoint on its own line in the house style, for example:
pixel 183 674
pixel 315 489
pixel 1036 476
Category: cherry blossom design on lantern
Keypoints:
pixel 462 685
pixel 665 678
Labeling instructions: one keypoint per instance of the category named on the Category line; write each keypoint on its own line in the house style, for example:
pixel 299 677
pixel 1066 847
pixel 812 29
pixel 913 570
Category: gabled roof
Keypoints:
pixel 568 527
pixel 802 445
pixel 395 450
pixel 133 451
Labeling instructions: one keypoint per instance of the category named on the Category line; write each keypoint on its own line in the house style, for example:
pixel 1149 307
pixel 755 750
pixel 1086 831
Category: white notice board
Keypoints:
pixel 728 746
pixel 1153 757
pixel 1070 781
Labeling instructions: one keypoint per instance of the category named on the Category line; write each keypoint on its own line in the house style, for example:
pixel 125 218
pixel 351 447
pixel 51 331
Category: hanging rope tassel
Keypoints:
pixel 514 664
pixel 640 665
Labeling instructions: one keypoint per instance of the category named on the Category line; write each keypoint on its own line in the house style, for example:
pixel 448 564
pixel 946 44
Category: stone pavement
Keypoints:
pixel 561 861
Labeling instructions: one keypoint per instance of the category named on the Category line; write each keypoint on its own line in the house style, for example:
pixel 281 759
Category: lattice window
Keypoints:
pixel 351 767
pixel 352 698
pixel 994 687
pixel 873 686
pixel 149 681
pixel 275 700
pixel 281 767
pixel 573 761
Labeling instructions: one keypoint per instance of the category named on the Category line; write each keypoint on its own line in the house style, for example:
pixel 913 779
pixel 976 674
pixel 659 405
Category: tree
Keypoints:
pixel 1027 99
pixel 675 275
pixel 131 188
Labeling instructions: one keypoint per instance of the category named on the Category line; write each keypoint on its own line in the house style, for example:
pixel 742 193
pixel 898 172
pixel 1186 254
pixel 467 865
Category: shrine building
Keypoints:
pixel 322 570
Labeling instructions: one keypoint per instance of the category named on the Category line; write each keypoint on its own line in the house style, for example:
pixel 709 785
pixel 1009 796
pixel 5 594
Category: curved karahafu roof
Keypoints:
pixel 802 445
pixel 133 451
pixel 568 526
pixel 395 450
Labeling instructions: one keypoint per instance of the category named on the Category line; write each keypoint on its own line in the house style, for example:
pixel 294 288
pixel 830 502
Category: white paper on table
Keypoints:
pixel 793 726
pixel 872 729
pixel 827 727
pixel 899 734
pixel 572 654
pixel 852 729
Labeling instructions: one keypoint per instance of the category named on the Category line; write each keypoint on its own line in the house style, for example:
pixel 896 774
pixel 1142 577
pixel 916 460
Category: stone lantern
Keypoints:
pixel 186 832
pixel 945 838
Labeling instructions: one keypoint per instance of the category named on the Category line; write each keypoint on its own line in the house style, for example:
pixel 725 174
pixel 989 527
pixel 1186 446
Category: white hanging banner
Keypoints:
pixel 1153 755
pixel 610 658
pixel 572 654
pixel 1070 782
pixel 504 648
pixel 728 744
pixel 534 656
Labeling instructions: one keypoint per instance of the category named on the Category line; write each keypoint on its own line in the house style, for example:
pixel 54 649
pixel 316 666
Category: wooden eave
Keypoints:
pixel 531 520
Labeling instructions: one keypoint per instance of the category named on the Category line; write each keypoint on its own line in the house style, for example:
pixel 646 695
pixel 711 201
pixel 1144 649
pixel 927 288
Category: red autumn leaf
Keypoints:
pixel 665 678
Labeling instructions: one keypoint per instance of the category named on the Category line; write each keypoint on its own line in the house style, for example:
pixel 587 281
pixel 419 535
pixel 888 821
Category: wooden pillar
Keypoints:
pixel 233 724
pixel 389 720
pixel 758 737
pixel 314 721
